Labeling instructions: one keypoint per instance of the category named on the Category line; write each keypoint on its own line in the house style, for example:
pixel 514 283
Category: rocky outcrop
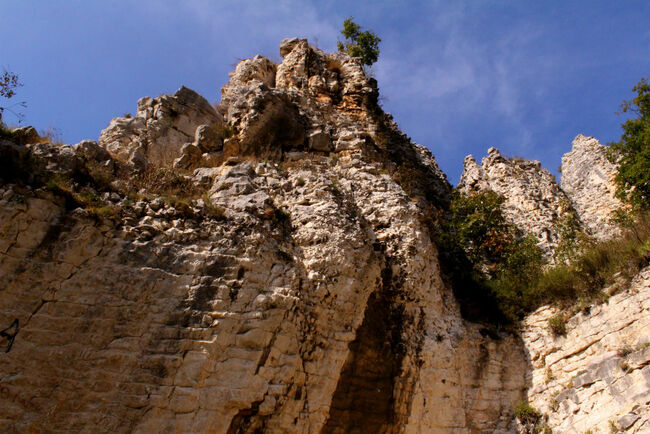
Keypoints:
pixel 271 266
pixel 533 200
pixel 588 181
pixel 160 130
pixel 288 283
pixel 596 376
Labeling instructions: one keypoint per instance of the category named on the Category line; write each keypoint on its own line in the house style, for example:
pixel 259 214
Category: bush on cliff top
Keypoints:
pixel 359 44
pixel 9 82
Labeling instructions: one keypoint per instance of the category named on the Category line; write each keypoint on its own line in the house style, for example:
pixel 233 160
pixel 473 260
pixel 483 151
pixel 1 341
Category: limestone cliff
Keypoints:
pixel 281 278
pixel 533 200
pixel 538 205
pixel 597 376
pixel 588 181
pixel 270 265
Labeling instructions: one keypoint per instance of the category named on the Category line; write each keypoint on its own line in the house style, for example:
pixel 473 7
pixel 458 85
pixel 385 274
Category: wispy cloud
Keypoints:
pixel 458 74
pixel 233 25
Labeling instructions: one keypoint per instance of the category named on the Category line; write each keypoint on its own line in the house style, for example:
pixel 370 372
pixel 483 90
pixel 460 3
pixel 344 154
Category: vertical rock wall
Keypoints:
pixel 290 284
pixel 596 376
pixel 296 288
pixel 537 204
pixel 533 200
pixel 588 181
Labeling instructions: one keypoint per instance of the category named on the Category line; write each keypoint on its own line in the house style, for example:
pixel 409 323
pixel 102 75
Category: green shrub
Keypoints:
pixel 632 152
pixel 498 275
pixel 359 44
pixel 557 283
pixel 529 417
pixel 557 324
pixel 481 229
pixel 490 262
pixel 59 183
pixel 572 236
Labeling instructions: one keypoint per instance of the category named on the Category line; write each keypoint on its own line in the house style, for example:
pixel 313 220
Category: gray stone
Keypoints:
pixel 190 156
pixel 160 128
pixel 287 45
pixel 90 150
pixel 626 421
pixel 25 135
pixel 208 138
pixel 320 141
pixel 588 181
pixel 534 201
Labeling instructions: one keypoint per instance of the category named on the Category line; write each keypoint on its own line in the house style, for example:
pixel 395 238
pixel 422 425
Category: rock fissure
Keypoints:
pixel 271 266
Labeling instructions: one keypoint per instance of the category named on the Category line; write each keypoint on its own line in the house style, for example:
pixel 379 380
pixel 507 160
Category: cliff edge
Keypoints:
pixel 265 266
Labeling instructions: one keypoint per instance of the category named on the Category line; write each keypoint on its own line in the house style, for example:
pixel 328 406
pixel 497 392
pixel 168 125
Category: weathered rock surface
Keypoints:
pixel 160 128
pixel 599 373
pixel 533 200
pixel 588 181
pixel 26 135
pixel 298 290
pixel 282 278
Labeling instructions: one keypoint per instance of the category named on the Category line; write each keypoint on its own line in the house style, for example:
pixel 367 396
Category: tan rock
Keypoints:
pixel 160 128
pixel 298 291
pixel 533 200
pixel 588 181
pixel 598 373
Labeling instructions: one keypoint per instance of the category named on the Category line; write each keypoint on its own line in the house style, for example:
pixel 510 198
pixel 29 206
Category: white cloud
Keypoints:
pixel 232 25
pixel 456 73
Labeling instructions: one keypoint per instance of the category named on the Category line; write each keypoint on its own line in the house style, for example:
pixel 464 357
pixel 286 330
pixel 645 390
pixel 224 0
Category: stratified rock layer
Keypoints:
pixel 296 288
pixel 588 181
pixel 598 375
pixel 281 278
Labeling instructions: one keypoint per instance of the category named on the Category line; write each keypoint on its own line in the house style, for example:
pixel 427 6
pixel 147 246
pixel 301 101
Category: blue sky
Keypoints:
pixel 458 76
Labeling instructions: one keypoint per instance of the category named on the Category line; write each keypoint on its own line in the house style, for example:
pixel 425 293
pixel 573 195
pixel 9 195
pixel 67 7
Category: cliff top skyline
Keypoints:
pixel 458 78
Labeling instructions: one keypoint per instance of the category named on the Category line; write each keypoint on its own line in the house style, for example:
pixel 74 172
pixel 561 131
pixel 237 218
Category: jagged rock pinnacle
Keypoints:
pixel 533 200
pixel 271 265
pixel 588 181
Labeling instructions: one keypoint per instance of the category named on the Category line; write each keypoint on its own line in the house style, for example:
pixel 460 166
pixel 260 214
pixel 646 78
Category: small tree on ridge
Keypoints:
pixel 8 84
pixel 359 44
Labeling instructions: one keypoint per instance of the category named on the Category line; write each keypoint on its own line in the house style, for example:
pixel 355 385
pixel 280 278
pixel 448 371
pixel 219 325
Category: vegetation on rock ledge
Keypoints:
pixel 498 274
pixel 489 261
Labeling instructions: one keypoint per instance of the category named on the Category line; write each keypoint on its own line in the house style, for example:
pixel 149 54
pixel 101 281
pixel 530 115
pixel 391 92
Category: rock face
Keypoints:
pixel 161 128
pixel 271 266
pixel 588 181
pixel 287 281
pixel 597 376
pixel 533 200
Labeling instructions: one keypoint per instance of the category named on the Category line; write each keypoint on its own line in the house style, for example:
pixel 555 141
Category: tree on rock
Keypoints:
pixel 359 44
pixel 632 152
pixel 8 84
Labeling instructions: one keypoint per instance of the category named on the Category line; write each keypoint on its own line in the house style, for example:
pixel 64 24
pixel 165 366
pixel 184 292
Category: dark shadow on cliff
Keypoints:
pixel 363 401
